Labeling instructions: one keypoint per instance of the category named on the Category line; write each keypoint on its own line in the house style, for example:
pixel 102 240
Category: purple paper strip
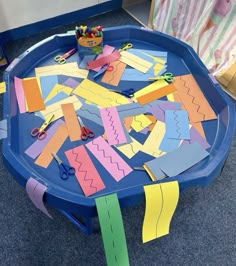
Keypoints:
pixel 159 110
pixel 195 136
pixel 36 148
pixel 35 191
pixel 72 83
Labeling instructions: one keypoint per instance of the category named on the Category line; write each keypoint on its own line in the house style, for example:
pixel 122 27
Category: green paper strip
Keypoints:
pixel 112 228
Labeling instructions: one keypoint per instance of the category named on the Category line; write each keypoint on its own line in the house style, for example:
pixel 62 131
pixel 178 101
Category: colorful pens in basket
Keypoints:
pixel 87 32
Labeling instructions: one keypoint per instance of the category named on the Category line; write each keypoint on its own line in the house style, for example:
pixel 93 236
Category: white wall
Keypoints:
pixel 16 13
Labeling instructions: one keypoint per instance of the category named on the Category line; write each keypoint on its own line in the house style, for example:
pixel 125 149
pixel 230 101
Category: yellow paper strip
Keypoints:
pixel 57 89
pixel 130 149
pixel 152 143
pixel 135 61
pixel 2 87
pixel 55 108
pixel 98 94
pixel 170 97
pixel 69 69
pixel 161 202
pixel 140 122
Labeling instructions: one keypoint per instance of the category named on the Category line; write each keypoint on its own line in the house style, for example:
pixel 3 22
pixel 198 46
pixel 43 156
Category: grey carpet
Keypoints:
pixel 202 230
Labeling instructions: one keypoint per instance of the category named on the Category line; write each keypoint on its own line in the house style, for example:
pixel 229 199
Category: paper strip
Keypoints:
pixel 157 93
pixel 140 122
pixel 85 171
pixel 71 120
pixel 150 88
pixel 35 191
pixel 177 126
pixel 2 87
pixel 55 108
pixel 53 145
pixel 130 149
pixel 168 144
pixel 68 69
pixel 36 148
pixel 132 74
pixel 131 109
pixel 57 89
pixel 113 163
pixel 90 111
pixel 113 77
pixel 85 60
pixel 112 229
pixel 135 61
pixel 3 129
pixel 104 60
pixel 20 95
pixel 72 83
pixel 161 202
pixel 113 127
pixel 47 83
pixel 33 95
pixel 107 50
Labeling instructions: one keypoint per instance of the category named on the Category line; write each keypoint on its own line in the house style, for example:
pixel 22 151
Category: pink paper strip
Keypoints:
pixel 113 127
pixel 104 60
pixel 113 163
pixel 36 148
pixel 20 95
pixel 85 171
pixel 35 191
pixel 107 50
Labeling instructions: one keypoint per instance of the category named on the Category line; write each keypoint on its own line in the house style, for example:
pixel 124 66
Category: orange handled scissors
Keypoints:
pixel 61 59
pixel 40 132
pixel 85 132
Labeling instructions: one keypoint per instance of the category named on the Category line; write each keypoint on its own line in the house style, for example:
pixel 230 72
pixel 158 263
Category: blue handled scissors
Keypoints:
pixel 103 69
pixel 167 77
pixel 127 93
pixel 65 170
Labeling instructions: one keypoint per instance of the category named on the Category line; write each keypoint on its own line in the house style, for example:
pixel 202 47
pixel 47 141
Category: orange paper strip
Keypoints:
pixel 71 121
pixel 113 77
pixel 53 145
pixel 156 94
pixel 33 95
pixel 193 98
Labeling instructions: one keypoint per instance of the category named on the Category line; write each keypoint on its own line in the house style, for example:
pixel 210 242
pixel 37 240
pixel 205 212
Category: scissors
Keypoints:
pixel 126 46
pixel 40 132
pixel 167 77
pixel 85 132
pixel 61 59
pixel 104 69
pixel 65 170
pixel 127 93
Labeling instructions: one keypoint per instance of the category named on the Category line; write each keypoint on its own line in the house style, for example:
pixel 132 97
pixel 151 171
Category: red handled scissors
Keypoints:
pixel 85 132
pixel 103 69
pixel 61 59
pixel 40 132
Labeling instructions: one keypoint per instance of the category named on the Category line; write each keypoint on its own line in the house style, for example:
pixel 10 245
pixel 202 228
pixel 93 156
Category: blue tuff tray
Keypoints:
pixel 67 196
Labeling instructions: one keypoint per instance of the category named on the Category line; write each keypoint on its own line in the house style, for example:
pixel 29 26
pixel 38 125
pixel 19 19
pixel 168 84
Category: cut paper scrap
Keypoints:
pixel 36 148
pixel 179 160
pixel 33 96
pixel 168 144
pixel 3 129
pixel 131 109
pixel 131 74
pixel 107 50
pixel 150 88
pixel 156 93
pixel 153 141
pixel 104 60
pixel 85 171
pixel 140 122
pixel 127 122
pixel 68 69
pixel 157 68
pixel 113 77
pixel 110 159
pixel 130 149
pixel 56 98
pixel 161 202
pixel 177 125
pixel 20 95
pixel 70 82
pixel 53 145
pixel 98 94
pixel 57 89
pixel 55 108
pixel 135 61
pixel 2 87
pixel 85 60
pixel 36 191
pixel 71 121
pixel 112 228
pixel 90 111
pixel 195 136
pixel 199 128
pixel 159 110
pixel 47 83
pixel 193 98
pixel 113 126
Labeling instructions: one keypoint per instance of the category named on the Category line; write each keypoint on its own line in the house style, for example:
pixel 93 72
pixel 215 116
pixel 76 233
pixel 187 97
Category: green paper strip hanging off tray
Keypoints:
pixel 112 228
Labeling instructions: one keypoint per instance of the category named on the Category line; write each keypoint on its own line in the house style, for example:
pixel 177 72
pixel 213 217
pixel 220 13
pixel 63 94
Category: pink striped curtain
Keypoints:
pixel 209 26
